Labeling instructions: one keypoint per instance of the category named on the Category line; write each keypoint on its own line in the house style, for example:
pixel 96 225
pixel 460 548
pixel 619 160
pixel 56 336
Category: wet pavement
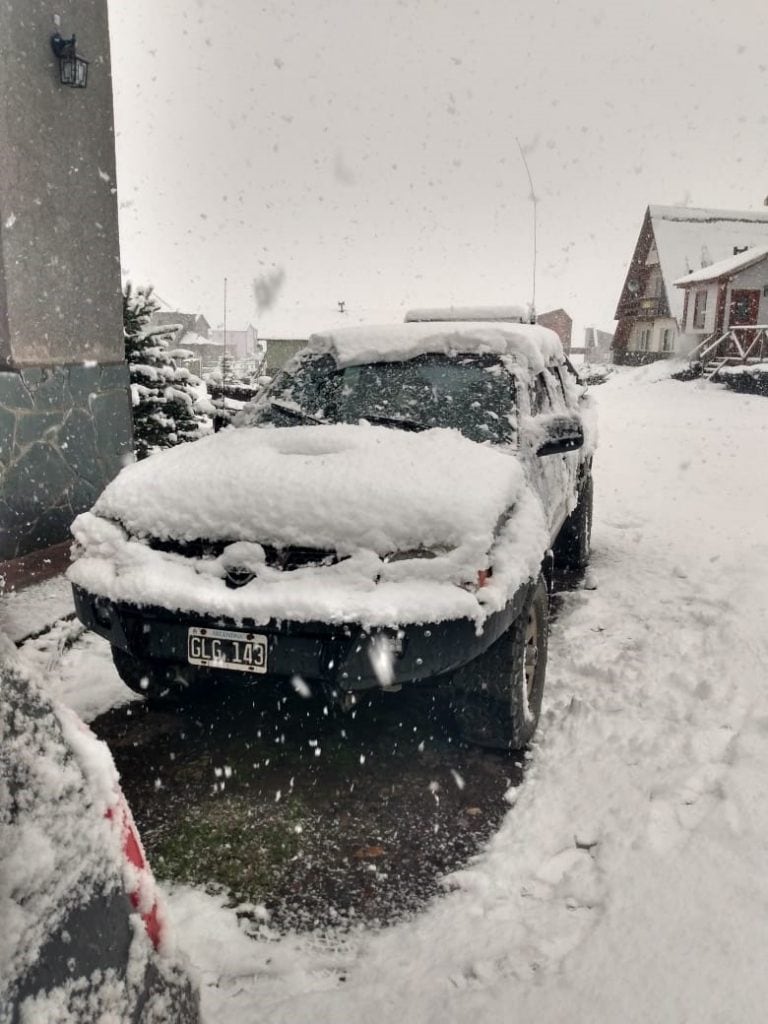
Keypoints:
pixel 322 818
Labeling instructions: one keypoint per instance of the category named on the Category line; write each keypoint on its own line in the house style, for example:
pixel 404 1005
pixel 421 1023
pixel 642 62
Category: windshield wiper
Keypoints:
pixel 293 411
pixel 394 421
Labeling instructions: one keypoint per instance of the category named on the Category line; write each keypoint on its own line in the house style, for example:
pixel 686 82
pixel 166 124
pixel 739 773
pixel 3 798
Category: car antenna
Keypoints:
pixel 534 199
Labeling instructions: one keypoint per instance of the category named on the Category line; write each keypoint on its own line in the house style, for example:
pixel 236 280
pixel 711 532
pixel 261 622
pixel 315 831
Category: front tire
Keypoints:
pixel 498 699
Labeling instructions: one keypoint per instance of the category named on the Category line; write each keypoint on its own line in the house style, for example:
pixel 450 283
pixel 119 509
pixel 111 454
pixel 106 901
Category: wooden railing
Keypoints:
pixel 737 345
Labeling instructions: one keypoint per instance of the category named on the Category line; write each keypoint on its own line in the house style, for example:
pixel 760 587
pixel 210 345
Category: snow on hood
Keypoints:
pixel 366 491
pixel 341 487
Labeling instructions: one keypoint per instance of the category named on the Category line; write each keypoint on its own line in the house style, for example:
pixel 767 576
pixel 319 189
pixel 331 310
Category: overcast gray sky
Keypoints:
pixel 368 148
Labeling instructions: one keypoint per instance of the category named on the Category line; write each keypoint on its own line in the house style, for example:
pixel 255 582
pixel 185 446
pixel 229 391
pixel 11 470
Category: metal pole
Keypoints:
pixel 534 200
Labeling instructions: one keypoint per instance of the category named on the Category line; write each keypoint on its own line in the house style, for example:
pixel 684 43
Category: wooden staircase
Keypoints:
pixel 737 346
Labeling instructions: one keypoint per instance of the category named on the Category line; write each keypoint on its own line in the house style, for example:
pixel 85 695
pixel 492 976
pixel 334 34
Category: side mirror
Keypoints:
pixel 559 434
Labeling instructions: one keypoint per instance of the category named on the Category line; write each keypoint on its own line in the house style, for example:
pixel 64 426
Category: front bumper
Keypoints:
pixel 338 656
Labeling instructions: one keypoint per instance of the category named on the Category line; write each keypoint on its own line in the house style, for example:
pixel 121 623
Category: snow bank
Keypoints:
pixel 84 677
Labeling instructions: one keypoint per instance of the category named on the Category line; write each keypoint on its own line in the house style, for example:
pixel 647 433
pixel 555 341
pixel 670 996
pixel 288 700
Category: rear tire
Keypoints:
pixel 573 546
pixel 498 698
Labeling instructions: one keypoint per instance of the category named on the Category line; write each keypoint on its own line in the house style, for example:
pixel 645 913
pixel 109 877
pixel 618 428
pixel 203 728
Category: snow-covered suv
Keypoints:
pixel 383 514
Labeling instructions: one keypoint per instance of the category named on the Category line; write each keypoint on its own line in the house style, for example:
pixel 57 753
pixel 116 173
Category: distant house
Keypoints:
pixel 674 241
pixel 192 333
pixel 597 346
pixel 725 306
pixel 185 323
pixel 241 344
pixel 558 321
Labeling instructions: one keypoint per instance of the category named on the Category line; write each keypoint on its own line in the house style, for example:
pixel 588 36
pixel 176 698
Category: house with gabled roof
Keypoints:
pixel 725 309
pixel 182 323
pixel 674 241
pixel 561 323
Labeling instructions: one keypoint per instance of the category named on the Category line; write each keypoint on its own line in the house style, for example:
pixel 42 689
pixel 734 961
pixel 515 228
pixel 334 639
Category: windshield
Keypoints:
pixel 472 393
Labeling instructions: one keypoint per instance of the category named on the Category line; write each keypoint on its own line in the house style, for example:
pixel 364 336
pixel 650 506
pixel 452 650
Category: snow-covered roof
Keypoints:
pixel 685 236
pixel 726 267
pixel 390 342
pixel 192 340
pixel 492 314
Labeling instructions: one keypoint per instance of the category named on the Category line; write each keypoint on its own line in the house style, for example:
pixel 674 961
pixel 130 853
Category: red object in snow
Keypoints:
pixel 134 855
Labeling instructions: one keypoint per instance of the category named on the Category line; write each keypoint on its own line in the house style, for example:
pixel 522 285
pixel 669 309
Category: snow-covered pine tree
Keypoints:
pixel 162 394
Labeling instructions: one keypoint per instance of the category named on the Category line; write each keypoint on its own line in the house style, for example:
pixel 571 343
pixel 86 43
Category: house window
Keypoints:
pixel 666 340
pixel 644 339
pixel 700 309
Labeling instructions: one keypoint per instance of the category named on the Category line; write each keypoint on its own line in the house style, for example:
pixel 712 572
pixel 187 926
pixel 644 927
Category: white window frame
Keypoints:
pixel 699 318
pixel 667 340
pixel 644 339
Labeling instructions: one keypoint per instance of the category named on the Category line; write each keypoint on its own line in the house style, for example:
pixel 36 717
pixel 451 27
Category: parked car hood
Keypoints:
pixel 340 487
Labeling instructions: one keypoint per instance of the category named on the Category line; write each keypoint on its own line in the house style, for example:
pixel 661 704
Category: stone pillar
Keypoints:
pixel 65 422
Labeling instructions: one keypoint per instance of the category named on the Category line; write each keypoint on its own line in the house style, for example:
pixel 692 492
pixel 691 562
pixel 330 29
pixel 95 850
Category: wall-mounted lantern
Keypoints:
pixel 73 69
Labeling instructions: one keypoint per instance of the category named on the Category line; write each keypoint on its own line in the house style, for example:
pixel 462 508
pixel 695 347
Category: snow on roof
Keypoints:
pixel 684 234
pixel 510 314
pixel 724 268
pixel 701 213
pixel 390 342
pixel 192 340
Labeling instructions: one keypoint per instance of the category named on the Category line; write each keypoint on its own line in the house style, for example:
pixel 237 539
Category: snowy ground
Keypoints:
pixel 628 881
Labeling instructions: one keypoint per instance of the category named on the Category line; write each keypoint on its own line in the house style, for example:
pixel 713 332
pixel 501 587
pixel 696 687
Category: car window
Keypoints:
pixel 556 376
pixel 540 398
pixel 471 393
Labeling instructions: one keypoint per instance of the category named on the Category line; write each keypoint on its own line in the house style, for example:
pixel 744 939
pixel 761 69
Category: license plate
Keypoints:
pixel 224 648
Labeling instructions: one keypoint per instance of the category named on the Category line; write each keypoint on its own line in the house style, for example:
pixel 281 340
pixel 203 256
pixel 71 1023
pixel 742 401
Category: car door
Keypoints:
pixel 571 460
pixel 552 475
